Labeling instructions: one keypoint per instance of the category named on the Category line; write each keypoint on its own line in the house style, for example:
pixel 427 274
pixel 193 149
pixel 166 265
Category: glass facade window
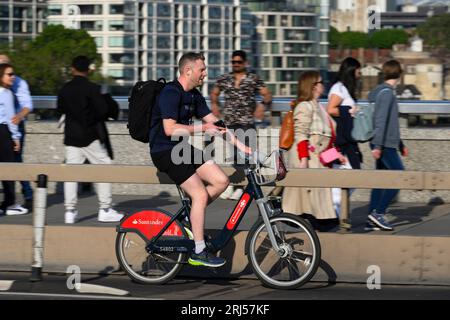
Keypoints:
pixel 4 11
pixel 215 12
pixel 214 73
pixel 275 48
pixel 301 21
pixel 129 8
pixel 163 43
pixel 271 34
pixel 163 73
pixel 277 62
pixel 272 21
pixel 99 41
pixel 185 27
pixel 214 58
pixel 214 43
pixel 150 42
pixel 163 26
pixel 121 74
pixel 298 48
pixel 126 41
pixel 91 25
pixel 297 35
pixel 4 26
pixel 116 9
pixel 150 26
pixel 164 10
pixel 125 58
pixel 215 28
pixel 91 9
pixel 22 12
pixel 149 59
pixel 54 9
pixel 150 9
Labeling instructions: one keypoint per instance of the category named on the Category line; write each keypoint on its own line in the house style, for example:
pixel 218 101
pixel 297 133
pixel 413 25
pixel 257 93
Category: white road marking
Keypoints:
pixel 71 296
pixel 5 285
pixel 92 288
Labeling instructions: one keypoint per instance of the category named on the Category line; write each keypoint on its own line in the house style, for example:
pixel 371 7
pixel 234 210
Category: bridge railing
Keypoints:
pixel 432 109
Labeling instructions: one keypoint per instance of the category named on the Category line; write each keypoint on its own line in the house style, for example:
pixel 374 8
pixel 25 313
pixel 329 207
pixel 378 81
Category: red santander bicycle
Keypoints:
pixel 283 249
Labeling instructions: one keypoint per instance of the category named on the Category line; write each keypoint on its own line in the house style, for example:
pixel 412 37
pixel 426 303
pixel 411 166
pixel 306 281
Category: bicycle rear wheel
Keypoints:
pixel 144 267
pixel 300 253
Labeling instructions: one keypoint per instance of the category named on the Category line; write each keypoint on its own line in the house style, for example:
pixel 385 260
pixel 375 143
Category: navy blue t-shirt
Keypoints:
pixel 174 103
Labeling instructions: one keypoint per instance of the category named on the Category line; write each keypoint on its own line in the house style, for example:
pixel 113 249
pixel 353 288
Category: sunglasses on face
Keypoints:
pixel 237 61
pixel 11 74
pixel 321 82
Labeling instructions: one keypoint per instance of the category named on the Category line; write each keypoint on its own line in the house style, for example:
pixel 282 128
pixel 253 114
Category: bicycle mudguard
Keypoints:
pixel 149 223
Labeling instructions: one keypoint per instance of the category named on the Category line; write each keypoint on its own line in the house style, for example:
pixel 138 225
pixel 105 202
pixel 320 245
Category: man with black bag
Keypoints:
pixel 85 111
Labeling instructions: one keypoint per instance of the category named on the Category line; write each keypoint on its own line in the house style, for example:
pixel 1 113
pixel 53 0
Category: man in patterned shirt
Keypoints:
pixel 240 88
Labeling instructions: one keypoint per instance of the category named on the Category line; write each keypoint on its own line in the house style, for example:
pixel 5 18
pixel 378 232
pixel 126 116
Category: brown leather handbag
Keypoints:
pixel 287 131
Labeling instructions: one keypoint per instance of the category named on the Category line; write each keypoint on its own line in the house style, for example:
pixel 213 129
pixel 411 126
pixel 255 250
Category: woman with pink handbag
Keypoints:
pixel 315 133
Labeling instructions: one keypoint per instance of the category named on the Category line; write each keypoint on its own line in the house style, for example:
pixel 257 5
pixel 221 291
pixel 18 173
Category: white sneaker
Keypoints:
pixel 237 194
pixel 109 215
pixel 70 216
pixel 227 193
pixel 15 210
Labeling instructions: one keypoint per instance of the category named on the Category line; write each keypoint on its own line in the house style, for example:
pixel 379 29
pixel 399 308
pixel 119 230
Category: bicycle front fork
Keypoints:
pixel 267 210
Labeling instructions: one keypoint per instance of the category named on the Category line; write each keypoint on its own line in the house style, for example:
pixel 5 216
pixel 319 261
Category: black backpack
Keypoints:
pixel 140 107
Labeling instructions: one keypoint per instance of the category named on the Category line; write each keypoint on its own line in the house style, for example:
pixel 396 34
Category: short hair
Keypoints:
pixel 188 58
pixel 306 84
pixel 392 70
pixel 239 53
pixel 81 63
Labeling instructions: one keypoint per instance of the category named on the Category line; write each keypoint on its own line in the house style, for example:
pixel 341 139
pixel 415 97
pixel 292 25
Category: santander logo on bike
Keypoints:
pixel 148 222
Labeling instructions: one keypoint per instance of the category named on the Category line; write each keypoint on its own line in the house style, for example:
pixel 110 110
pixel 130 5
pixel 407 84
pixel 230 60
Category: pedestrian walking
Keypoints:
pixel 84 108
pixel 23 106
pixel 9 139
pixel 342 105
pixel 240 88
pixel 386 143
pixel 315 134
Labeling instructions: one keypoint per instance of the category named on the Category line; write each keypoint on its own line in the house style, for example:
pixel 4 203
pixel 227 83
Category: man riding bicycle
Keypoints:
pixel 202 180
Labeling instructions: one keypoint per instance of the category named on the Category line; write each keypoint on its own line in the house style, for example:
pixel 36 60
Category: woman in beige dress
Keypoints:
pixel 314 133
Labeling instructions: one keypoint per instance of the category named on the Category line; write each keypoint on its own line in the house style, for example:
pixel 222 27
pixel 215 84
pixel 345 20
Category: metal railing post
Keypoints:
pixel 39 215
pixel 345 222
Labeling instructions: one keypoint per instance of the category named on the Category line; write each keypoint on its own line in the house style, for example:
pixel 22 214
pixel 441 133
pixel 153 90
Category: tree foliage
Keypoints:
pixel 435 31
pixel 354 40
pixel 381 39
pixel 45 61
pixel 386 38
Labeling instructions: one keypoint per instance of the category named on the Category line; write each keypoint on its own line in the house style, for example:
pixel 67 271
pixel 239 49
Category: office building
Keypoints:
pixel 291 37
pixel 141 40
pixel 21 19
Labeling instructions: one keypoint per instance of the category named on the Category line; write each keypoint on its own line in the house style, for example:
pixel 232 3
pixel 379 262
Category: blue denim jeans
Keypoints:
pixel 27 191
pixel 381 198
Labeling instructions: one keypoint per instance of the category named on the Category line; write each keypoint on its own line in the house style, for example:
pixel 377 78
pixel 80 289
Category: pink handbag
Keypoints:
pixel 329 156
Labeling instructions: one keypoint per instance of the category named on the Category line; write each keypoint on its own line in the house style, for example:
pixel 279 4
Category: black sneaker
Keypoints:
pixel 378 220
pixel 205 259
pixel 370 226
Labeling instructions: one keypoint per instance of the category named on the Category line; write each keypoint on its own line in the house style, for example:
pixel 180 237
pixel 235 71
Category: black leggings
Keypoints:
pixel 7 155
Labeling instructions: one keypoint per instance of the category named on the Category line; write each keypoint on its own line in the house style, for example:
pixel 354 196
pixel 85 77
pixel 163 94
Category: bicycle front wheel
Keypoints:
pixel 299 256
pixel 144 267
